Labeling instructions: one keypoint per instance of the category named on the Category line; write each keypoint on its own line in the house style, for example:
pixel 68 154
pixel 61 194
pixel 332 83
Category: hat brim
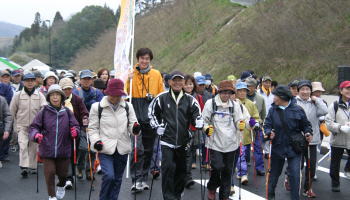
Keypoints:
pixel 115 93
pixel 243 88
pixel 68 86
pixel 177 75
pixel 86 76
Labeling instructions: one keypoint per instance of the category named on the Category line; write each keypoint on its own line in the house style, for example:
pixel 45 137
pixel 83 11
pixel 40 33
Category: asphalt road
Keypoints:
pixel 13 187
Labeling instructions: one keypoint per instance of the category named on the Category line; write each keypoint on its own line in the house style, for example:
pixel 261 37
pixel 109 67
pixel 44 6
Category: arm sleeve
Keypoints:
pixel 36 126
pixel 73 121
pixel 195 111
pixel 268 123
pixel 94 126
pixel 322 109
pixel 160 84
pixel 154 113
pixel 263 111
pixel 207 112
pixel 9 94
pixel 132 117
pixel 332 125
pixel 238 116
pixel 306 125
pixel 14 106
pixel 7 117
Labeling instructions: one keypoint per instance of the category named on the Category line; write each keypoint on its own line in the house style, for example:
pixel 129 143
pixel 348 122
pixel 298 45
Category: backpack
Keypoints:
pixel 215 108
pixel 100 109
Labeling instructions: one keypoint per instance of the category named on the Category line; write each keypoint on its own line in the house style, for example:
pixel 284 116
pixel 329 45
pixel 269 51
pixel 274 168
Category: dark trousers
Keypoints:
pixel 4 148
pixel 222 172
pixel 173 172
pixel 189 161
pixel 277 164
pixel 347 165
pixel 145 144
pixel 53 166
pixel 113 167
pixel 313 160
pixel 336 156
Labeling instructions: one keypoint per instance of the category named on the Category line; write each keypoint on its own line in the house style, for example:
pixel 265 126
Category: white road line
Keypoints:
pixel 245 194
pixel 326 170
pixel 325 156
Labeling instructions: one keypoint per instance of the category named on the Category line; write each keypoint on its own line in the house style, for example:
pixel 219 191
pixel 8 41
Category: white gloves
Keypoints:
pixel 322 118
pixel 160 130
pixel 199 123
pixel 345 129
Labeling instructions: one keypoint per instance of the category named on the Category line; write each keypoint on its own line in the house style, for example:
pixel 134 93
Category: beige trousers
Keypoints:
pixel 27 149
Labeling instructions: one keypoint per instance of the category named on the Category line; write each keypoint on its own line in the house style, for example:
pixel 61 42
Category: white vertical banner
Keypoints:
pixel 124 40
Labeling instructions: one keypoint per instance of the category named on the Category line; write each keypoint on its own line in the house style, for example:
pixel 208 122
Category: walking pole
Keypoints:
pixel 75 165
pixel 240 162
pixel 89 155
pixel 135 161
pixel 155 162
pixel 268 171
pixel 37 172
pixel 253 151
pixel 200 165
pixel 309 166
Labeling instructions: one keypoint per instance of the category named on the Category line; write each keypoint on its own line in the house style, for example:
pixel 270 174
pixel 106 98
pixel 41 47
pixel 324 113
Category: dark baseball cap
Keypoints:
pixel 177 74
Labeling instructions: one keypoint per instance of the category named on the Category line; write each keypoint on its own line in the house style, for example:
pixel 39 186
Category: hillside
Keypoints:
pixel 8 30
pixel 286 39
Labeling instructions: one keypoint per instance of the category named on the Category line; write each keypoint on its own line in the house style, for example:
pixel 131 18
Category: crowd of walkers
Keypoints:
pixel 165 125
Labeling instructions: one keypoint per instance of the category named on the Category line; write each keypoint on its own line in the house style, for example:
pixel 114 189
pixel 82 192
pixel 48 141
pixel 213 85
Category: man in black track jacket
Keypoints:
pixel 171 113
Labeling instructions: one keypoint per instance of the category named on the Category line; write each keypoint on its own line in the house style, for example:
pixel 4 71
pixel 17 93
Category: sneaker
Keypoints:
pixel 315 177
pixel 155 174
pixel 32 171
pixel 60 192
pixel 0 164
pixel 52 198
pixel 309 194
pixel 194 166
pixel 286 184
pixel 347 175
pixel 80 174
pixel 232 190
pixel 238 177
pixel 69 185
pixel 144 186
pixel 260 172
pixel 136 187
pixel 244 180
pixel 189 184
pixel 24 173
pixel 335 189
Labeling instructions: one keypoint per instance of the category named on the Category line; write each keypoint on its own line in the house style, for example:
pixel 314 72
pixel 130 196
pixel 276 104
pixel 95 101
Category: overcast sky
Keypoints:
pixel 22 12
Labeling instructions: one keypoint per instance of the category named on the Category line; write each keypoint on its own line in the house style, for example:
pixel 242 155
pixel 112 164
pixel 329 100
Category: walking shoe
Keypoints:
pixel 286 184
pixel 244 180
pixel 232 190
pixel 32 171
pixel 266 156
pixel 14 148
pixel 79 174
pixel 315 177
pixel 60 192
pixel 155 174
pixel 194 166
pixel 88 177
pixel 52 198
pixel 347 175
pixel 211 194
pixel 144 186
pixel 189 183
pixel 335 189
pixel 238 177
pixel 136 187
pixel 24 173
pixel 0 164
pixel 69 185
pixel 260 173
pixel 309 194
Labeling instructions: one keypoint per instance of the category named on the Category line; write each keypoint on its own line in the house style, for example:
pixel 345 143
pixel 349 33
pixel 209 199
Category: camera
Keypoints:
pixel 149 97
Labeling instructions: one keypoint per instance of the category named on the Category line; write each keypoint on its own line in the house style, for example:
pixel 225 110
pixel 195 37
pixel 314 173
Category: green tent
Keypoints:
pixel 8 64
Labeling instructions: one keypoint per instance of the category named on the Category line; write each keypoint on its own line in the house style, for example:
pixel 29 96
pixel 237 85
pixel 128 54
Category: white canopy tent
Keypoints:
pixel 36 65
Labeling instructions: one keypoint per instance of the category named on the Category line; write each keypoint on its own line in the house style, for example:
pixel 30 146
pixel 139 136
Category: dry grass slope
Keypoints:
pixel 286 39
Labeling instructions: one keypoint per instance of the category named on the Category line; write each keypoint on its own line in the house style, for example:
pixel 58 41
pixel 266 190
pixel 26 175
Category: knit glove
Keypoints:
pixel 209 130
pixel 73 132
pixel 160 130
pixel 241 125
pixel 38 138
pixel 136 129
pixel 252 122
pixel 98 145
pixel 199 123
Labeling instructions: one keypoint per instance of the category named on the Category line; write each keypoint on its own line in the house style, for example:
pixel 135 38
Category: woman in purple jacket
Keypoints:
pixel 54 128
